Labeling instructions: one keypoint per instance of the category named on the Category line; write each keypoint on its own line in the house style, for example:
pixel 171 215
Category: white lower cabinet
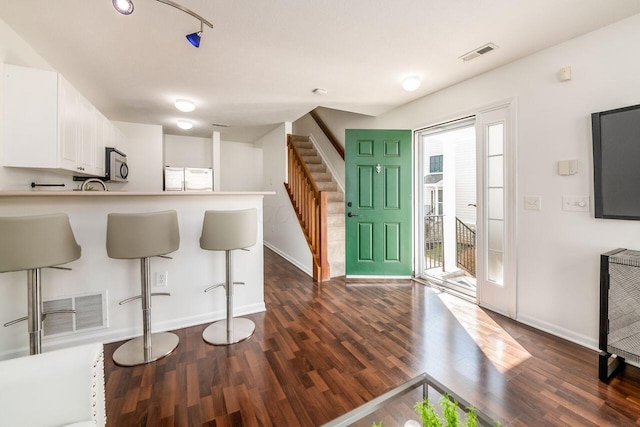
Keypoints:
pixel 49 124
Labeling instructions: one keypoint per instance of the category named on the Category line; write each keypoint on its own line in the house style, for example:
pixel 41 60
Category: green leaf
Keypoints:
pixel 427 414
pixel 450 411
pixel 472 417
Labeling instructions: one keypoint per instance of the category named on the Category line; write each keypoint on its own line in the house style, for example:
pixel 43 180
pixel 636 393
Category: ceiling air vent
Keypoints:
pixel 482 50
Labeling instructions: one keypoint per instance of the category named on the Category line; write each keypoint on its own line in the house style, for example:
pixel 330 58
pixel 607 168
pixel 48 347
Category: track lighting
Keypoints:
pixel 194 38
pixel 125 7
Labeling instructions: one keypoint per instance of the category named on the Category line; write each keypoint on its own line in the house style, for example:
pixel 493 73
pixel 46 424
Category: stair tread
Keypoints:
pixel 312 159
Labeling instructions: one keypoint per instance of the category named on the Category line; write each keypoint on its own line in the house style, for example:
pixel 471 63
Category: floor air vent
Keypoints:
pixel 482 50
pixel 90 314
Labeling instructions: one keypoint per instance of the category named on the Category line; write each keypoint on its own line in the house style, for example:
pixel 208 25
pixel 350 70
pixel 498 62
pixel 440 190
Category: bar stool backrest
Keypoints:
pixel 142 235
pixel 30 242
pixel 227 230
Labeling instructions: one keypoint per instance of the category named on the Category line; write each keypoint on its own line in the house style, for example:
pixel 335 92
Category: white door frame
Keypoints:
pixel 502 299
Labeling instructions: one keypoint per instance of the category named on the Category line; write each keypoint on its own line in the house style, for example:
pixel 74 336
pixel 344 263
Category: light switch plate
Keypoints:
pixel 567 167
pixel 575 203
pixel 533 203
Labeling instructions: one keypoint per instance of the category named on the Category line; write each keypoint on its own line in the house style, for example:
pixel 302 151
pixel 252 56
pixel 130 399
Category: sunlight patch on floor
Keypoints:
pixel 504 351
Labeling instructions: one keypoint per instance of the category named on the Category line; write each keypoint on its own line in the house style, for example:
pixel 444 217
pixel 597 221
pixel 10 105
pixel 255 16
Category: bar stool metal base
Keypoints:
pixel 132 352
pixel 217 334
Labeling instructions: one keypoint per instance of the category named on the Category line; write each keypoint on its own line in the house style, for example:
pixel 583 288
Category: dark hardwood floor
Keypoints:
pixel 319 352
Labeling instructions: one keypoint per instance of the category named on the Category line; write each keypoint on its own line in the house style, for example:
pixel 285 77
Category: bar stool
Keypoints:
pixel 31 243
pixel 226 231
pixel 143 235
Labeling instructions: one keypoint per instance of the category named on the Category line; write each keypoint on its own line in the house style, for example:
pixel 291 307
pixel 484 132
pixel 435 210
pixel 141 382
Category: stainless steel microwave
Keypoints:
pixel 116 169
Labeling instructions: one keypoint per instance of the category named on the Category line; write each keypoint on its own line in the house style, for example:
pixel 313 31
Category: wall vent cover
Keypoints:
pixel 90 314
pixel 482 50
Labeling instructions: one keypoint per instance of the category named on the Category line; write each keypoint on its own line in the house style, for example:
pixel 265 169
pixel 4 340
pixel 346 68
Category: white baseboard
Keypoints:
pixel 566 334
pixel 107 336
pixel 288 258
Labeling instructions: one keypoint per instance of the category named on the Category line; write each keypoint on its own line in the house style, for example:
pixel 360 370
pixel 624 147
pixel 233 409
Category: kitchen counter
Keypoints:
pixel 189 273
pixel 73 193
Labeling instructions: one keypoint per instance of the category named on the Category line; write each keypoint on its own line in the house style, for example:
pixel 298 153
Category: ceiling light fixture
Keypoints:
pixel 185 105
pixel 125 7
pixel 194 38
pixel 185 124
pixel 410 84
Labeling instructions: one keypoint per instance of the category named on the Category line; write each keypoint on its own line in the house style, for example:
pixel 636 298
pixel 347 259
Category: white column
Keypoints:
pixel 215 161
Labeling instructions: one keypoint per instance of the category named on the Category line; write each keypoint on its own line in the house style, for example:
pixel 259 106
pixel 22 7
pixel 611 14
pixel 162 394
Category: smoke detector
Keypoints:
pixel 482 50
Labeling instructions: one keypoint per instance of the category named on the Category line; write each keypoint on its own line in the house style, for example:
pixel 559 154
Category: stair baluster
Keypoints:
pixel 310 205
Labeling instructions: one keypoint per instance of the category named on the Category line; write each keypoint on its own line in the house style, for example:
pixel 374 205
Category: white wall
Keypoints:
pixel 240 166
pixel 144 157
pixel 282 232
pixel 465 175
pixel 190 271
pixel 557 251
pixel 187 151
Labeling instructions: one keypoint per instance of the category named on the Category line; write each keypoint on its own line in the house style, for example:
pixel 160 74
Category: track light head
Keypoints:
pixel 125 7
pixel 194 38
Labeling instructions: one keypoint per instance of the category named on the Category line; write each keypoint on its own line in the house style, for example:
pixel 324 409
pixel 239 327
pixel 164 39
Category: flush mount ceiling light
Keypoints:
pixel 411 83
pixel 185 105
pixel 185 124
pixel 125 7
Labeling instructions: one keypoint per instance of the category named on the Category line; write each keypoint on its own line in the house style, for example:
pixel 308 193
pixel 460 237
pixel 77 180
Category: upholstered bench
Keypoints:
pixel 56 388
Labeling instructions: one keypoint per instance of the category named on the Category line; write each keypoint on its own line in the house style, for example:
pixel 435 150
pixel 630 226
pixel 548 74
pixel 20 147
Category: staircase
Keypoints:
pixel 335 203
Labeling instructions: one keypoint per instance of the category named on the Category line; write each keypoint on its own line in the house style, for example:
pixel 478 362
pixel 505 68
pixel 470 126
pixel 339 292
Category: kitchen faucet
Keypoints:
pixel 101 182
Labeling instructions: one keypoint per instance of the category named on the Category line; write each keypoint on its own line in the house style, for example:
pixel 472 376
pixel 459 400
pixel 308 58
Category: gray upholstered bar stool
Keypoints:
pixel 31 243
pixel 226 231
pixel 143 235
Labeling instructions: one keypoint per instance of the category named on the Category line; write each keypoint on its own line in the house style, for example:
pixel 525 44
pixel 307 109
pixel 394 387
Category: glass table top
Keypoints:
pixel 396 407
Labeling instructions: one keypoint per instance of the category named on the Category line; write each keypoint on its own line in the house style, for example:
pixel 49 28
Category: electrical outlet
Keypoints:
pixel 162 279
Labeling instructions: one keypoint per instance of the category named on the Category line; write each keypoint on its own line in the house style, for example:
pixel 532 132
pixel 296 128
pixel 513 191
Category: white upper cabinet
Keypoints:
pixel 48 124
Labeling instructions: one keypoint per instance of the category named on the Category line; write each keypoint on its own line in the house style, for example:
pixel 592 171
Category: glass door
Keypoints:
pixel 496 277
pixel 447 183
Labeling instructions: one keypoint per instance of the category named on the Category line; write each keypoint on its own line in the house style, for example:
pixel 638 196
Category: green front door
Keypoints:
pixel 378 202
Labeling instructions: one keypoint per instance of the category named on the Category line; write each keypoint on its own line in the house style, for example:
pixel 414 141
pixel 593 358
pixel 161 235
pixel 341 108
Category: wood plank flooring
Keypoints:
pixel 320 351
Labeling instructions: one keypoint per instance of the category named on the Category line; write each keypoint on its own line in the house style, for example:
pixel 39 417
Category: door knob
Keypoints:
pixel 349 214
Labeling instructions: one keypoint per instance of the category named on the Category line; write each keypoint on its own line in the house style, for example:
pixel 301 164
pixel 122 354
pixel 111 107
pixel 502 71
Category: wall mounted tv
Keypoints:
pixel 616 163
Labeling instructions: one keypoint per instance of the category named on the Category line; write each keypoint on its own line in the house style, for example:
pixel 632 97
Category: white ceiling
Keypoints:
pixel 259 64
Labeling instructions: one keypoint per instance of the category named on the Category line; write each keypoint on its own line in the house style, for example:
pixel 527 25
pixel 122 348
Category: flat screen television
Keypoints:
pixel 616 163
